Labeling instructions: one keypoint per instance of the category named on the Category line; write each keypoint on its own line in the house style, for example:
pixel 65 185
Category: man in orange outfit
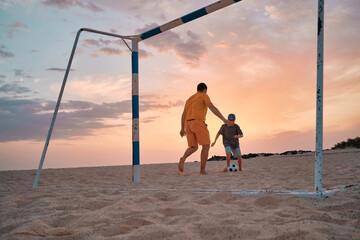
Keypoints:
pixel 194 127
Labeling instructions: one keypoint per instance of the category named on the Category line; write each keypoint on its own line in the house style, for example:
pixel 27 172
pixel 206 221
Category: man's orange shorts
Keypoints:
pixel 197 133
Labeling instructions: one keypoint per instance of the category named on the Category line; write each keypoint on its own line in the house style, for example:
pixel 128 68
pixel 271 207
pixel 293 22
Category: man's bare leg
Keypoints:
pixel 187 153
pixel 227 161
pixel 204 158
pixel 239 163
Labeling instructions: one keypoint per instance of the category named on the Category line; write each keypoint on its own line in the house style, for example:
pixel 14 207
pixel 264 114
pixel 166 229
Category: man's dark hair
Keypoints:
pixel 201 87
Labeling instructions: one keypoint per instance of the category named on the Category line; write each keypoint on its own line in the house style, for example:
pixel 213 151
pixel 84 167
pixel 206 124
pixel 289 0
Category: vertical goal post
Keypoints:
pixel 319 192
pixel 319 98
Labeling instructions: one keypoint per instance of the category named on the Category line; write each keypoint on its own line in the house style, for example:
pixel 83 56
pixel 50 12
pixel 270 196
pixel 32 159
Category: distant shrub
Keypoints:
pixel 268 154
pixel 349 143
pixel 250 155
pixel 294 152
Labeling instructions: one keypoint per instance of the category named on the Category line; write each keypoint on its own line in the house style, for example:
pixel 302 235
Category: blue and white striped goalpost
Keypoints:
pixel 135 111
pixel 187 18
pixel 319 192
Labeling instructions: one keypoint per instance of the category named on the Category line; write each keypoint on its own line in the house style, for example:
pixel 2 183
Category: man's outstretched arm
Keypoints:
pixel 219 115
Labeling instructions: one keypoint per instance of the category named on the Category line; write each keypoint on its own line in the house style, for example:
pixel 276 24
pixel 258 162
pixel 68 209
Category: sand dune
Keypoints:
pixel 103 203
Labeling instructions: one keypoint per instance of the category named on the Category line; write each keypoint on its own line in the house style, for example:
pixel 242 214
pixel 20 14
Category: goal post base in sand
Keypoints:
pixel 297 193
pixel 241 192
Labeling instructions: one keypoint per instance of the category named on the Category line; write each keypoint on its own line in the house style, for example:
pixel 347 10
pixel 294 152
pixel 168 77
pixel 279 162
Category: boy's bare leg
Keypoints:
pixel 227 161
pixel 239 163
pixel 204 158
pixel 187 153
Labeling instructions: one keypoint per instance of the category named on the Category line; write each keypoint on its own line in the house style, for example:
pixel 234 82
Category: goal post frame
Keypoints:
pixel 319 192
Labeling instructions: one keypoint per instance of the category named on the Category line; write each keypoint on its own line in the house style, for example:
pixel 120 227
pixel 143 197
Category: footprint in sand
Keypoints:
pixel 171 212
pixel 268 202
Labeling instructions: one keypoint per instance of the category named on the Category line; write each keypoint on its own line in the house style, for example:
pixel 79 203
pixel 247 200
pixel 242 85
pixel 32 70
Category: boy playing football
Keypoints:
pixel 231 137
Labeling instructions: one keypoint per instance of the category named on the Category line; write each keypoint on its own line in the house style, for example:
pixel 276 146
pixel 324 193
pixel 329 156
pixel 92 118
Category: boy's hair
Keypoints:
pixel 201 87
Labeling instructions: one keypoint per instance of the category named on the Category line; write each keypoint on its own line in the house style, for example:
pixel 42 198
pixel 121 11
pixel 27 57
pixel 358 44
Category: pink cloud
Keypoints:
pixel 65 4
pixel 108 51
pixel 252 46
pixel 18 25
pixel 14 28
pixel 222 44
pixel 210 34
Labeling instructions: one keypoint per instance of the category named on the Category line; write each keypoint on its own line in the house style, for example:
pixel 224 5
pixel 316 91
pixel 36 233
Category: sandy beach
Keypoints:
pixel 103 203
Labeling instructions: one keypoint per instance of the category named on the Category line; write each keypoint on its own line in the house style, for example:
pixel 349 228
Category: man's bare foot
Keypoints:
pixel 225 169
pixel 181 166
pixel 202 171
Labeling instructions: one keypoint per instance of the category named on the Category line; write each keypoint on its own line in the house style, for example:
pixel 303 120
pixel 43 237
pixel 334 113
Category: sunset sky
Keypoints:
pixel 257 57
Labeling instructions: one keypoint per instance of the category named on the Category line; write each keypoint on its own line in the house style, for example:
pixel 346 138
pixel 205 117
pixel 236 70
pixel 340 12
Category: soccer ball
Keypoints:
pixel 232 168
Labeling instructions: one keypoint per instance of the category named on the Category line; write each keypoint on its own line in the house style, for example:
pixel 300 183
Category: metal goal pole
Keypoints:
pixel 56 110
pixel 319 99
pixel 62 91
pixel 135 111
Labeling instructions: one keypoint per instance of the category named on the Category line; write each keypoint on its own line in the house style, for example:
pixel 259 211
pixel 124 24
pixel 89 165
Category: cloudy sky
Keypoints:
pixel 258 58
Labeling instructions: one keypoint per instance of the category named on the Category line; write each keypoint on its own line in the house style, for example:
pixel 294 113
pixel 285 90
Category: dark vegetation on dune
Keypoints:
pixel 350 143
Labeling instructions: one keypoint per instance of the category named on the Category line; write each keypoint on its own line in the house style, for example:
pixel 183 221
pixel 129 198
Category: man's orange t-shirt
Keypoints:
pixel 196 106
